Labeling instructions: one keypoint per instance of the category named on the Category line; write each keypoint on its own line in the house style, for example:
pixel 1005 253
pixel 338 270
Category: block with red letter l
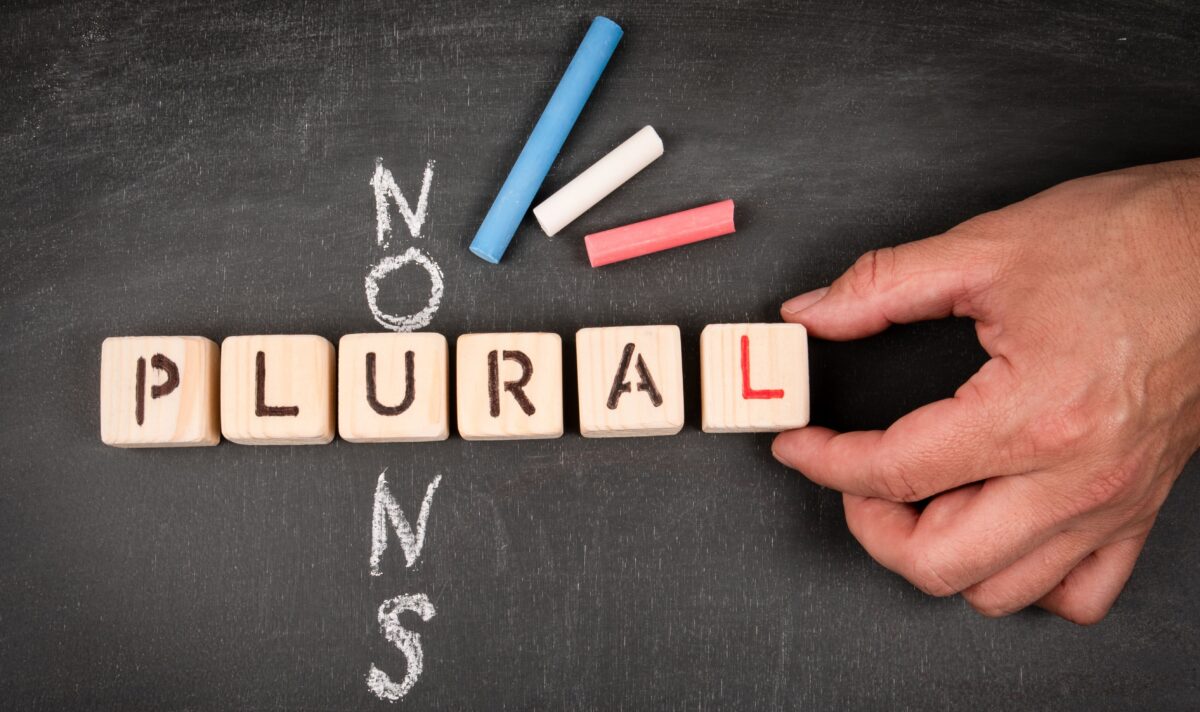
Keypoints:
pixel 753 377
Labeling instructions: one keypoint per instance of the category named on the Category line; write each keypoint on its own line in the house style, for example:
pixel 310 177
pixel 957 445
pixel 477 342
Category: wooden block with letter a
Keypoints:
pixel 630 381
pixel 159 391
pixel 277 390
pixel 753 377
pixel 509 386
pixel 393 388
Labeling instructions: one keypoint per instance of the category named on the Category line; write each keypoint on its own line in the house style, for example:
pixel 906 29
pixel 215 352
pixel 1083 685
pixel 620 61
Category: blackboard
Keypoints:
pixel 204 168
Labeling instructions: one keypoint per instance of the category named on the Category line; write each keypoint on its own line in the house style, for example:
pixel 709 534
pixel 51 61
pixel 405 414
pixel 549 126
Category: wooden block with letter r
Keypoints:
pixel 277 390
pixel 159 391
pixel 509 386
pixel 630 381
pixel 393 388
pixel 753 377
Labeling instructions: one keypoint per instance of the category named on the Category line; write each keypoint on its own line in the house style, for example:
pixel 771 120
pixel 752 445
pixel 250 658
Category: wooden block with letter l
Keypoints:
pixel 393 388
pixel 630 381
pixel 509 386
pixel 753 377
pixel 159 391
pixel 277 390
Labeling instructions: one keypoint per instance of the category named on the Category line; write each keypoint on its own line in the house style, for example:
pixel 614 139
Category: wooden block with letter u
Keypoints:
pixel 277 390
pixel 509 386
pixel 630 381
pixel 393 388
pixel 159 391
pixel 753 377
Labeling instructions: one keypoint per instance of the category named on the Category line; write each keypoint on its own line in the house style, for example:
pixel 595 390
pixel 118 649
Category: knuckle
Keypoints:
pixel 1115 484
pixel 867 274
pixel 984 224
pixel 985 600
pixel 989 602
pixel 898 484
pixel 988 608
pixel 930 574
pixel 1082 611
pixel 1065 429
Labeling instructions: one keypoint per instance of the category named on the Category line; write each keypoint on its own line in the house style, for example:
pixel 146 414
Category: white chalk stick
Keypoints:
pixel 602 178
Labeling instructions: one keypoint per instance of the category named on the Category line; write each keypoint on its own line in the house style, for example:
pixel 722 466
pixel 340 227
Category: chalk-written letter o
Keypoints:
pixel 411 322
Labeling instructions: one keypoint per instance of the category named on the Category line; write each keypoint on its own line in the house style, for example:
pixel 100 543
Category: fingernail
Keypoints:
pixel 795 305
pixel 775 451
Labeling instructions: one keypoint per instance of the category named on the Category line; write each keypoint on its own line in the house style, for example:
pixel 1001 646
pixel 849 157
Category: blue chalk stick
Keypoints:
pixel 547 139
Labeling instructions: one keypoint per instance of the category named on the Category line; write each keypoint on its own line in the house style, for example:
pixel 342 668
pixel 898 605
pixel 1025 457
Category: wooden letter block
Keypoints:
pixel 630 381
pixel 277 390
pixel 159 391
pixel 393 388
pixel 509 386
pixel 753 377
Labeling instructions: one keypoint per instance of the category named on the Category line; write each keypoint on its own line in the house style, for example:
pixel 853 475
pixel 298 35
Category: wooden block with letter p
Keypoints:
pixel 509 386
pixel 159 391
pixel 753 377
pixel 277 390
pixel 393 388
pixel 630 381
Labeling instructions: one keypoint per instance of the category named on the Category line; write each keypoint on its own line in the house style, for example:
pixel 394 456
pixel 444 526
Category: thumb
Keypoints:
pixel 926 279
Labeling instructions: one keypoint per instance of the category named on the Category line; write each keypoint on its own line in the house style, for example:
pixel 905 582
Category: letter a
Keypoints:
pixel 645 380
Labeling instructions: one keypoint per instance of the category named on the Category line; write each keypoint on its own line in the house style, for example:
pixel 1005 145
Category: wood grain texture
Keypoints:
pixel 203 168
pixel 298 374
pixel 508 419
pixel 599 353
pixel 753 377
pixel 427 414
pixel 187 416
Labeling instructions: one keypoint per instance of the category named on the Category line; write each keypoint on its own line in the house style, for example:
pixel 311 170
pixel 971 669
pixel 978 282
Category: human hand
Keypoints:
pixel 1045 471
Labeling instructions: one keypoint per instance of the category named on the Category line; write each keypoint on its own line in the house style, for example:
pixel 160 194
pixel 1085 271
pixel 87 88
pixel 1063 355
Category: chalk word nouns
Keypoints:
pixel 393 387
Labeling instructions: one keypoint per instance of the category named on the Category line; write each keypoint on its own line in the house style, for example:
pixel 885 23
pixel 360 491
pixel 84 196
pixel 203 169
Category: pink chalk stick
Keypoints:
pixel 662 233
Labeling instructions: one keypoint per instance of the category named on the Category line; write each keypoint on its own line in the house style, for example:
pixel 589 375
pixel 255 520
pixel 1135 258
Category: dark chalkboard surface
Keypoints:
pixel 204 168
